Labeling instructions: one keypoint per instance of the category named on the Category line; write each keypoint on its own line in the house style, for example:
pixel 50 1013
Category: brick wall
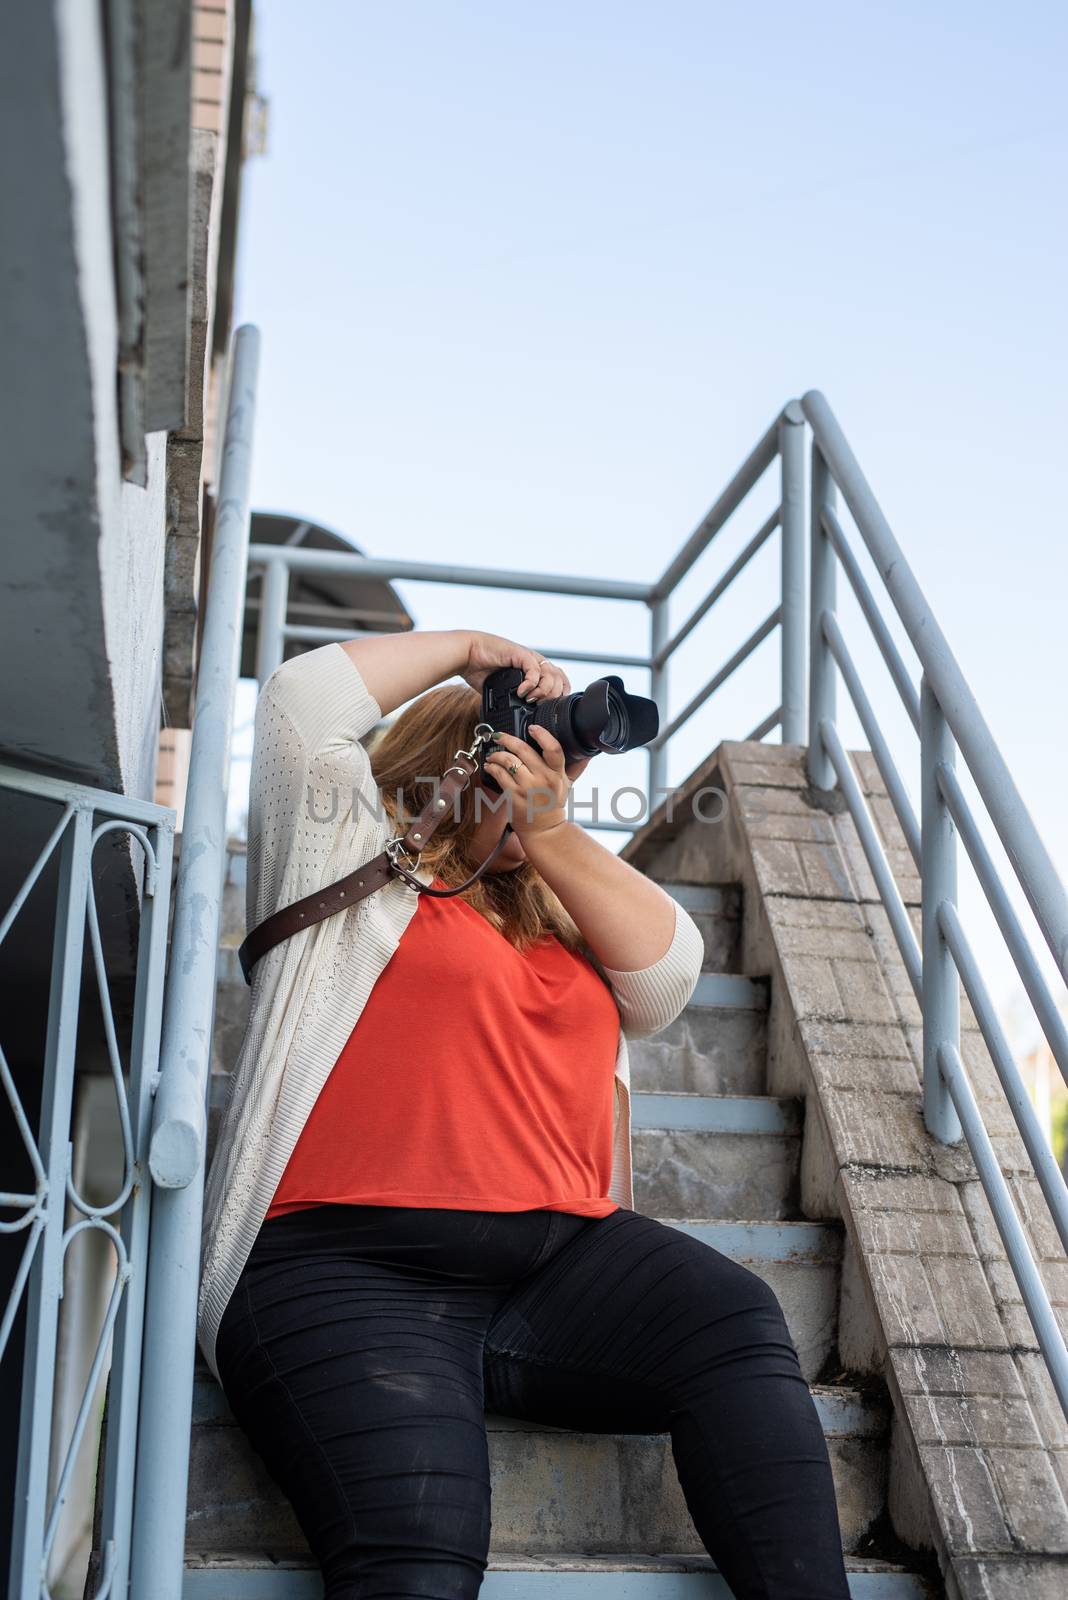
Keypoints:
pixel 211 64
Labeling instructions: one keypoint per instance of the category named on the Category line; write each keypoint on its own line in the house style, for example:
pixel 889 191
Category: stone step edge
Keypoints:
pixel 791 1243
pixel 512 1577
pixel 728 991
pixel 844 1413
pixel 708 898
pixel 680 1110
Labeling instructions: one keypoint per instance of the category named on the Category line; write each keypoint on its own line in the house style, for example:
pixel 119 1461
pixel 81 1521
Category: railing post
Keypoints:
pixel 177 1149
pixel 822 683
pixel 792 458
pixel 938 866
pixel 274 602
pixel 658 691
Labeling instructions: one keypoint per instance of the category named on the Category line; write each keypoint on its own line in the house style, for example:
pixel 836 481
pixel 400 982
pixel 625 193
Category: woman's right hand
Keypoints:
pixel 542 679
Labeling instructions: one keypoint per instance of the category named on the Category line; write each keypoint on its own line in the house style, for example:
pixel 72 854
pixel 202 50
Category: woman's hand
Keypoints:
pixel 540 784
pixel 628 920
pixel 397 666
pixel 487 651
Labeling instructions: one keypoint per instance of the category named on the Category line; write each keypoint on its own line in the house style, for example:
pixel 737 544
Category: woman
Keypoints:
pixel 420 1206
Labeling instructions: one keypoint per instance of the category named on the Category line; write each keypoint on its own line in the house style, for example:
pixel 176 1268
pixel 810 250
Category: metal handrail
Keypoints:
pixel 745 479
pixel 729 668
pixel 870 723
pixel 177 1151
pixel 1009 1226
pixel 718 589
pixel 1035 984
pixel 946 717
pixel 881 633
pixel 1030 859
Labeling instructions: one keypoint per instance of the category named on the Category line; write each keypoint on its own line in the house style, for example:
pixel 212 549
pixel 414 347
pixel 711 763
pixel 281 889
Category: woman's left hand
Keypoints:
pixel 541 782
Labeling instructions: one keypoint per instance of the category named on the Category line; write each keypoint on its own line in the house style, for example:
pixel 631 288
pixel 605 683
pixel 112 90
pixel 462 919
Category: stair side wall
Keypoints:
pixel 979 1466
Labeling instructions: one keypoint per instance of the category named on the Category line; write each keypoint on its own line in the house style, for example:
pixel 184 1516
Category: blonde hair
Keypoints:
pixel 406 757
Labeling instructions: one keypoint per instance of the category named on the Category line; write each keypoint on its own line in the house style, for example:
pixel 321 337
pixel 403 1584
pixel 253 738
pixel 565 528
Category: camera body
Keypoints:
pixel 602 718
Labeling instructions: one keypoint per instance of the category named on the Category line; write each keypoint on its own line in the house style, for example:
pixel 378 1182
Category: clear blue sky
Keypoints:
pixel 533 279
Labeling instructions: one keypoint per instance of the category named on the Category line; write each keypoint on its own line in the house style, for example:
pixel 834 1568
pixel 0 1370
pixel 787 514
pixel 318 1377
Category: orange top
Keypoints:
pixel 467 1048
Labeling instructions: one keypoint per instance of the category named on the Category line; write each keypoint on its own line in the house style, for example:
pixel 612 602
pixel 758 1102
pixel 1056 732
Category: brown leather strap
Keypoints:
pixel 313 908
pixel 454 780
pixel 375 874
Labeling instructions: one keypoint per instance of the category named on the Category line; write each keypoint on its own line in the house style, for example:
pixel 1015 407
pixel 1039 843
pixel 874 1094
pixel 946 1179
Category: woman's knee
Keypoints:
pixel 744 1302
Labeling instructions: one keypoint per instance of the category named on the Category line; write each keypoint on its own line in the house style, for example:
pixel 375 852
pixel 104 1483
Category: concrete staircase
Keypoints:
pixel 602 1515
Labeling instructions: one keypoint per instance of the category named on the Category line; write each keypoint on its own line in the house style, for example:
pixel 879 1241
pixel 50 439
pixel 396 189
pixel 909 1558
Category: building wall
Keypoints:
pixel 78 643
pixel 101 570
pixel 127 520
pixel 81 591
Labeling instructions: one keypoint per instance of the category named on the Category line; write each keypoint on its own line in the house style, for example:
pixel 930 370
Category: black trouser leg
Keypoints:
pixel 637 1326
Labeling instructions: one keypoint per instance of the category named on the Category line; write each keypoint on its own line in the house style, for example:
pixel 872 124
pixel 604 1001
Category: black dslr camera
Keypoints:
pixel 602 717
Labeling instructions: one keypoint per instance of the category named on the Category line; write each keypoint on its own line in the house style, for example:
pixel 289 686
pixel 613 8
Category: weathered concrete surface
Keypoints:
pixel 553 1489
pixel 979 1462
pixel 709 1049
pixel 186 461
pixel 508 1575
pixel 717 911
pixel 686 1173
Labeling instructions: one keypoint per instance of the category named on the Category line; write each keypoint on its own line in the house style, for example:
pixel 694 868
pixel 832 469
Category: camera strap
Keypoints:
pixel 382 868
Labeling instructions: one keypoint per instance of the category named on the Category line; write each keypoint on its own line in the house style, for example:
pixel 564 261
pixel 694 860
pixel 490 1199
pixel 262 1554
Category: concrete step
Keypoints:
pixel 725 1157
pixel 564 1577
pixel 554 1489
pixel 717 1046
pixel 717 911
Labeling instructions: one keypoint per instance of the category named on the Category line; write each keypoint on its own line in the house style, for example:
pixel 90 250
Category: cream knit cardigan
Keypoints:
pixel 315 814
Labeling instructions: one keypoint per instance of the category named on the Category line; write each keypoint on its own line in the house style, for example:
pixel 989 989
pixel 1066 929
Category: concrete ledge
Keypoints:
pixel 514 1577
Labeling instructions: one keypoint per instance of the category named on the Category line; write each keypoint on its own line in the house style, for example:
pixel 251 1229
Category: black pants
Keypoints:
pixel 364 1344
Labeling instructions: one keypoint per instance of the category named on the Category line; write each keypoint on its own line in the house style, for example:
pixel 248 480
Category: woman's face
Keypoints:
pixel 488 830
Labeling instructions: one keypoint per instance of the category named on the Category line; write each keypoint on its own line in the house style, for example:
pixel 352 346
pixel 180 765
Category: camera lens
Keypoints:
pixel 601 717
pixel 614 733
pixel 555 714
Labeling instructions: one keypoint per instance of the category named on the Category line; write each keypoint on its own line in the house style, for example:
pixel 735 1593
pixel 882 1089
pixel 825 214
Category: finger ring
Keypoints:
pixel 513 768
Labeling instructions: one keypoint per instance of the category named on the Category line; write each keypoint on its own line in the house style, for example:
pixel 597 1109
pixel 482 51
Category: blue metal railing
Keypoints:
pixel 179 1126
pixel 945 715
pixel 85 816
